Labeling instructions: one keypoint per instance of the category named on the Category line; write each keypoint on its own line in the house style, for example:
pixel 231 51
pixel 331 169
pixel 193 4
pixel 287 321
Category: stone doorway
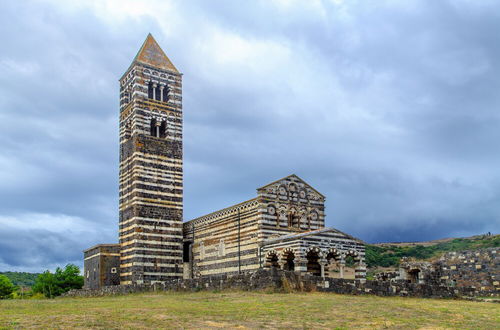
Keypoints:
pixel 334 268
pixel 288 260
pixel 413 275
pixel 272 260
pixel 313 266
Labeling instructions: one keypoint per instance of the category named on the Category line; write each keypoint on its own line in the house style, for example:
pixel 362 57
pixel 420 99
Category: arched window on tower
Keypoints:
pixel 153 127
pixel 157 92
pixel 150 90
pixel 165 94
pixel 163 129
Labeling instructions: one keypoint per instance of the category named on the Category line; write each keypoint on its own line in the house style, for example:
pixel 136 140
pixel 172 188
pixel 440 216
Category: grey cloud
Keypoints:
pixel 388 109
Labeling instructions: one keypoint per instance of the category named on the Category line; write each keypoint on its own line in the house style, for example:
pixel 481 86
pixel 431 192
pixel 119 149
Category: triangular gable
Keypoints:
pixel 289 176
pixel 152 54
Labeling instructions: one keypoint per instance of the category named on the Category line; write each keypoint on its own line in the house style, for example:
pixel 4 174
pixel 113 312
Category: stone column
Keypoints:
pixel 158 124
pixel 300 264
pixel 360 272
pixel 154 91
pixel 161 92
pixel 323 263
pixel 341 267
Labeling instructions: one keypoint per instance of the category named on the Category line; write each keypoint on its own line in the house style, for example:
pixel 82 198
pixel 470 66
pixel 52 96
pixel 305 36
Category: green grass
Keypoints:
pixel 248 310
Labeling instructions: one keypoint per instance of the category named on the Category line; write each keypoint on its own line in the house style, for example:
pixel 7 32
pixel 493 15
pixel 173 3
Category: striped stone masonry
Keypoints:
pixel 283 227
pixel 151 183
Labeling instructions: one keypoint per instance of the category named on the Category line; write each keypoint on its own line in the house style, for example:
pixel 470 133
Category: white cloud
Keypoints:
pixel 56 223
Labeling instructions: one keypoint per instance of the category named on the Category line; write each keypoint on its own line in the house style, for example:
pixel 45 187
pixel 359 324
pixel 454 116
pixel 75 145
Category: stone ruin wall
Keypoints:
pixel 479 269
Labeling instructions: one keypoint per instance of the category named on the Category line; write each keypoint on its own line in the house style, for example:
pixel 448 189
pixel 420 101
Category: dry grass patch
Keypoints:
pixel 248 310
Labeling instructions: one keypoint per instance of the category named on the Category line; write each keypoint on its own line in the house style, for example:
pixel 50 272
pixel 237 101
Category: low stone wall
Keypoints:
pixel 284 281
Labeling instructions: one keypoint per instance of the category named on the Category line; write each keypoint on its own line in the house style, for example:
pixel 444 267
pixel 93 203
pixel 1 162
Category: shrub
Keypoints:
pixel 52 285
pixel 6 287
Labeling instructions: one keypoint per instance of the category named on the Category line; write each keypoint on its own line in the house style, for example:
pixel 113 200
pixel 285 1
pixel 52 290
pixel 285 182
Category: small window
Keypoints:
pixel 113 270
pixel 150 90
pixel 88 274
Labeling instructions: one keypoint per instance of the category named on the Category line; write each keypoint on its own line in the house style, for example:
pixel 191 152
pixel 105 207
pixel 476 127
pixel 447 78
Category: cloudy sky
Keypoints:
pixel 390 108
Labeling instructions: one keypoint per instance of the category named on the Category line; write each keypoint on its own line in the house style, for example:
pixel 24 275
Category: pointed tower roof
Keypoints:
pixel 151 54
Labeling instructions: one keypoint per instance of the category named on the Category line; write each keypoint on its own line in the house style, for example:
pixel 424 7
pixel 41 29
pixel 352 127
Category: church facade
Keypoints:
pixel 283 226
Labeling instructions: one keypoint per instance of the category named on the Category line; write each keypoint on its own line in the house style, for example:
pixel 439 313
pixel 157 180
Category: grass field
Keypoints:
pixel 248 310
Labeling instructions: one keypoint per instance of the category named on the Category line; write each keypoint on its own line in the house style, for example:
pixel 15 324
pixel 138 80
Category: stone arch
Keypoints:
pixel 334 266
pixel 282 215
pixel 314 256
pixel 356 259
pixel 303 222
pixel 288 259
pixel 293 191
pixel 352 264
pixel 315 249
pixel 303 194
pixel 414 275
pixel 282 191
pixel 272 213
pixel 272 259
pixel 313 218
pixel 293 218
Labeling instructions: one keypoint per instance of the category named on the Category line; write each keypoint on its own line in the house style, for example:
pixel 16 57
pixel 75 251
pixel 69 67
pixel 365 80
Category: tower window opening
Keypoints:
pixel 157 93
pixel 150 90
pixel 165 94
pixel 163 129
pixel 153 127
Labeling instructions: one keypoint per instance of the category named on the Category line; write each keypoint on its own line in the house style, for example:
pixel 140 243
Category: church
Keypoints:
pixel 283 226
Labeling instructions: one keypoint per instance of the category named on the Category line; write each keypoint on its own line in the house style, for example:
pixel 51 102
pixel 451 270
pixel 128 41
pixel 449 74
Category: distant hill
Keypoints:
pixel 389 254
pixel 21 278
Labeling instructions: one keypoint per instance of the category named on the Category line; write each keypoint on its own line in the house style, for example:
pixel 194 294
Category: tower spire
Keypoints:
pixel 152 54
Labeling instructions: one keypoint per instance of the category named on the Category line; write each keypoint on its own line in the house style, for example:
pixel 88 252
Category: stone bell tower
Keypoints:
pixel 151 183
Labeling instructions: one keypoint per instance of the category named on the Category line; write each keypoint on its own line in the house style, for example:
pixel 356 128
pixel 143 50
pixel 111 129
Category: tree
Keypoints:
pixel 45 283
pixel 6 287
pixel 52 285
